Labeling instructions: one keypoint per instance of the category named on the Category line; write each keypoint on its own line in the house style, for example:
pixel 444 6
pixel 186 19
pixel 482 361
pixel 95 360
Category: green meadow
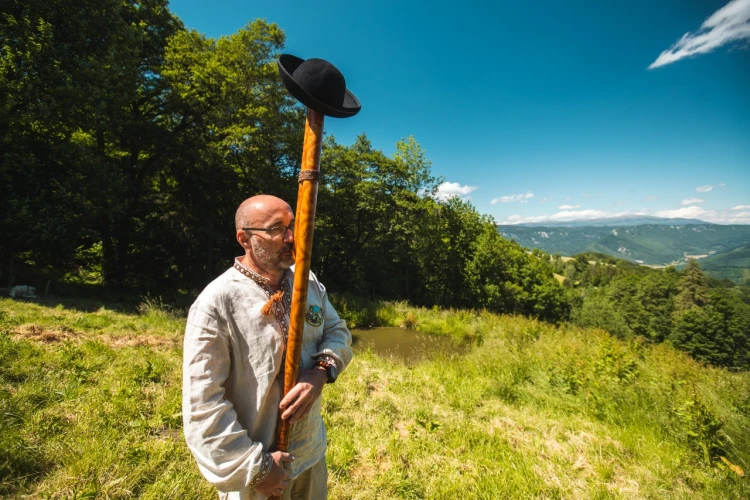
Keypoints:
pixel 90 408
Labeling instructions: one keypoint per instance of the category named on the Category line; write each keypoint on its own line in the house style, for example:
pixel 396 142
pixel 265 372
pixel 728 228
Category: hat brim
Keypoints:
pixel 287 64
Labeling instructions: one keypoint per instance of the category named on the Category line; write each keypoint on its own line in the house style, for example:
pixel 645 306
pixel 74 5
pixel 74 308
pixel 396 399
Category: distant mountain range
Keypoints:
pixel 645 240
pixel 625 220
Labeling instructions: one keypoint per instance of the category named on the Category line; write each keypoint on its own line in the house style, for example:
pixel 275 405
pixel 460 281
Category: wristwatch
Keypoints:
pixel 331 371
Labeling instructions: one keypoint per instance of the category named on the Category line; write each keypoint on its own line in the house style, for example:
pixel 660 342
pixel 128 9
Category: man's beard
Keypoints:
pixel 269 261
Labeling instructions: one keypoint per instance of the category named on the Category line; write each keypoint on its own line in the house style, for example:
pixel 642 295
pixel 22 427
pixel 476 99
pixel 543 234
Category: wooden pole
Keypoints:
pixel 304 225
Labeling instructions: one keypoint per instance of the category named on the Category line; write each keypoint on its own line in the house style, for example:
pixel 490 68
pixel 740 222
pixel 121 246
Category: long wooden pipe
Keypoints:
pixel 304 225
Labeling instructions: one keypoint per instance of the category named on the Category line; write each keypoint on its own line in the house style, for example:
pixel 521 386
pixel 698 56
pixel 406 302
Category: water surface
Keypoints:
pixel 405 345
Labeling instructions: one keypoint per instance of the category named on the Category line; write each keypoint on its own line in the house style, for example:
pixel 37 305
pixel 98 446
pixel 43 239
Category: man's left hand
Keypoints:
pixel 298 402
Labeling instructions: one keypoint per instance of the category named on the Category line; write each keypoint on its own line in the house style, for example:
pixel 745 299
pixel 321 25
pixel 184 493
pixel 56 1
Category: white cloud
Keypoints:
pixel 685 213
pixel 568 207
pixel 725 216
pixel 691 201
pixel 448 190
pixel 568 215
pixel 728 24
pixel 710 187
pixel 521 198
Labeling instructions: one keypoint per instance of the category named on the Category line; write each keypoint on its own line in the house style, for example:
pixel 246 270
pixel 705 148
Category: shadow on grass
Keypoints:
pixel 21 463
pixel 91 298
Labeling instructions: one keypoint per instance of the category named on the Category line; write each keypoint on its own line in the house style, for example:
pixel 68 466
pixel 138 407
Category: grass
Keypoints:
pixel 90 408
pixel 462 324
pixel 541 412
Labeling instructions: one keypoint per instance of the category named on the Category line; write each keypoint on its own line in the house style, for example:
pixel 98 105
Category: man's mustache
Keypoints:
pixel 291 249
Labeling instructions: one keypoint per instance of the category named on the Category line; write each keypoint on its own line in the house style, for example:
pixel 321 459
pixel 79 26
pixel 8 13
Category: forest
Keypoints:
pixel 706 317
pixel 127 142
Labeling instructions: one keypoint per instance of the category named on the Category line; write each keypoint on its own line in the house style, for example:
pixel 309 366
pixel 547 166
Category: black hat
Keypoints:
pixel 318 85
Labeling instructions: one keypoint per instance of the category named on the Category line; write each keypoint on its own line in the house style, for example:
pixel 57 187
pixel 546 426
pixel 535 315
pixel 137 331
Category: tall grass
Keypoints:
pixel 538 411
pixel 462 324
pixel 90 408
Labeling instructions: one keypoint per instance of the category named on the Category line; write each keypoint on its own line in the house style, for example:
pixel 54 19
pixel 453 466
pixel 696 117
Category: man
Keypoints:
pixel 233 367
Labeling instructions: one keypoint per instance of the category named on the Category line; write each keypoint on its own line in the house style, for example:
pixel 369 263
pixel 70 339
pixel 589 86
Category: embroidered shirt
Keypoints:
pixel 280 309
pixel 231 389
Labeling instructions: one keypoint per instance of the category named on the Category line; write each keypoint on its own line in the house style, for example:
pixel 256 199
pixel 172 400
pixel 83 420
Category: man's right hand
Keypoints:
pixel 278 479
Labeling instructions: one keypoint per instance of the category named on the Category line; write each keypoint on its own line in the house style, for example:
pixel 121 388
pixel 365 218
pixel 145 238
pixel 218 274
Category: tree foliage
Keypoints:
pixel 127 141
pixel 707 318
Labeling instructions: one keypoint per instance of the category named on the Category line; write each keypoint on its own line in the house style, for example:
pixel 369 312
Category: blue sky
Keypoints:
pixel 542 110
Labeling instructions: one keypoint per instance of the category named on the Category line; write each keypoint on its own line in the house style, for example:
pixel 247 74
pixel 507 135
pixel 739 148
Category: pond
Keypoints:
pixel 405 345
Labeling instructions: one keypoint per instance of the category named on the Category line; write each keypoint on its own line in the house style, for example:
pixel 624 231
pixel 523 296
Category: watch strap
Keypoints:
pixel 329 364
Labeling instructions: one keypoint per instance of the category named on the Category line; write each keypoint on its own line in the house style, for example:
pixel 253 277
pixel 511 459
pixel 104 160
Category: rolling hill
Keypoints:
pixel 625 220
pixel 733 265
pixel 656 244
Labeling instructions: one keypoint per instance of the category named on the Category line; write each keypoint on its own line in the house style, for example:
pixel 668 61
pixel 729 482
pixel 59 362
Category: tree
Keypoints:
pixel 368 204
pixel 69 80
pixel 599 311
pixel 236 133
pixel 447 240
pixel 699 332
pixel 655 293
pixel 693 289
pixel 504 278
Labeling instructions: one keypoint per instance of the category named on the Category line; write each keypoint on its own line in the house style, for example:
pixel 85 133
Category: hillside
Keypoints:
pixel 623 221
pixel 90 405
pixel 733 265
pixel 652 244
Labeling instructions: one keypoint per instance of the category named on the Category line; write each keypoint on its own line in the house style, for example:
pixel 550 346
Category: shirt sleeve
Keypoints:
pixel 337 339
pixel 226 456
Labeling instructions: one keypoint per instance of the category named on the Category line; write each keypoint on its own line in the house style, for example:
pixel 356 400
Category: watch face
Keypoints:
pixel 333 373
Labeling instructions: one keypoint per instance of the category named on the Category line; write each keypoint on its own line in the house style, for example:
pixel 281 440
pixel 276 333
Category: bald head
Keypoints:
pixel 259 211
pixel 266 253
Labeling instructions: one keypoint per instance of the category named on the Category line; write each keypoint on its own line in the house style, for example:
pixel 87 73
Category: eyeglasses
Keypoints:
pixel 273 231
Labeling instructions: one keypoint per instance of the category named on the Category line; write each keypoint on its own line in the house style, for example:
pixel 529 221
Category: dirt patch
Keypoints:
pixel 170 434
pixel 403 429
pixel 44 335
pixel 375 388
pixel 138 341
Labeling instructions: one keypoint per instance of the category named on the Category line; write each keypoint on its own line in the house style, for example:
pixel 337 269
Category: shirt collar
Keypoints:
pixel 264 282
pixel 261 280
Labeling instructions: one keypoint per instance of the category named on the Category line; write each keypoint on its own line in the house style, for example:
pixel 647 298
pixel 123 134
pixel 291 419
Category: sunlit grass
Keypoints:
pixel 90 408
pixel 539 412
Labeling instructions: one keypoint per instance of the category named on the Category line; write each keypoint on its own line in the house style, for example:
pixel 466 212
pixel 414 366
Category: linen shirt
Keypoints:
pixel 232 385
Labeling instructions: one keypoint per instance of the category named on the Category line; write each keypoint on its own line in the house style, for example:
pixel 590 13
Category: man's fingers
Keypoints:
pixel 290 407
pixel 287 458
pixel 290 397
pixel 301 411
pixel 297 403
pixel 286 413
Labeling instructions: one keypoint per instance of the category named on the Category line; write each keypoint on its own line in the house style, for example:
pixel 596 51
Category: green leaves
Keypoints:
pixel 128 142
